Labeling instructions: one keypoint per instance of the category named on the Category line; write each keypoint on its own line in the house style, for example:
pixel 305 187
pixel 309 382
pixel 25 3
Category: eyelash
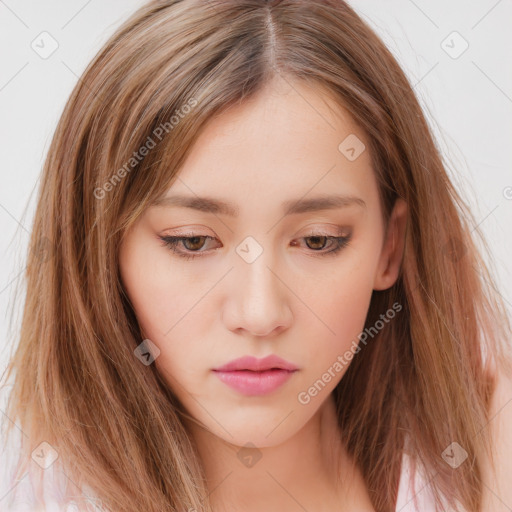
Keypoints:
pixel 171 242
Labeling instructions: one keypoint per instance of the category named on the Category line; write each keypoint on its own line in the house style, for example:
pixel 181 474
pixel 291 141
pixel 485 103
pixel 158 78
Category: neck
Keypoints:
pixel 310 465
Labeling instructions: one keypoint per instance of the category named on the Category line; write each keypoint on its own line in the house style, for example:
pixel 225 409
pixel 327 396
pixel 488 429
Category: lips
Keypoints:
pixel 251 376
pixel 271 362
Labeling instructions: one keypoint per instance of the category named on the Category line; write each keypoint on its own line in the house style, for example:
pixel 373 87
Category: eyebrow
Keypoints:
pixel 290 207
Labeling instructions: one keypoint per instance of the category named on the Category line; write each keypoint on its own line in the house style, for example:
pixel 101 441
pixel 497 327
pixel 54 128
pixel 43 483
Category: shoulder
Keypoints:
pixel 16 491
pixel 32 485
pixel 414 494
pixel 35 487
pixel 497 489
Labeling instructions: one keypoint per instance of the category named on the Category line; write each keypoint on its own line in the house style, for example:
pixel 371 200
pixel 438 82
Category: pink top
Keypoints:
pixel 417 497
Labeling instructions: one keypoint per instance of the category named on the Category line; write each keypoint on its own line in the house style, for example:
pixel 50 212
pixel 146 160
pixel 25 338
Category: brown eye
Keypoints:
pixel 324 245
pixel 186 246
pixel 194 243
pixel 317 242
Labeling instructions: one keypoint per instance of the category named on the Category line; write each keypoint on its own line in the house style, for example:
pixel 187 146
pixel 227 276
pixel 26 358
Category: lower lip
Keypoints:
pixel 254 383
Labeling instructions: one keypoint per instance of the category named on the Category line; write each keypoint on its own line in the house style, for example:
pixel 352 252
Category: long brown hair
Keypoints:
pixel 421 384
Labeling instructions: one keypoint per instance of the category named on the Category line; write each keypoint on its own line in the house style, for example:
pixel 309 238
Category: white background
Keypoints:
pixel 468 101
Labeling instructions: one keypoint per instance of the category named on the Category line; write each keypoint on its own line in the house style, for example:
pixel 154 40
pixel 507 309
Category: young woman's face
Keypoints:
pixel 288 268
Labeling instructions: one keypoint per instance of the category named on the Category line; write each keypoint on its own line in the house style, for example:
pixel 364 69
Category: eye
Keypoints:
pixel 193 245
pixel 318 242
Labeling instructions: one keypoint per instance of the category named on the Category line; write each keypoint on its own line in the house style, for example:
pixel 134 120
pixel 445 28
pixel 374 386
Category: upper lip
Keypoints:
pixel 255 364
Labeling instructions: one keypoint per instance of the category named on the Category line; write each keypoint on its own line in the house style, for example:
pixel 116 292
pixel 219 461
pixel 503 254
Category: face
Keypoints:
pixel 277 271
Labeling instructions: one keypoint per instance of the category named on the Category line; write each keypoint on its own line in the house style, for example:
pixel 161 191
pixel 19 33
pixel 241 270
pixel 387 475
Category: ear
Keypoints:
pixel 393 247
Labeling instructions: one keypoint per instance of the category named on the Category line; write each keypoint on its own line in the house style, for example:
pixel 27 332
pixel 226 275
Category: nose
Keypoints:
pixel 257 300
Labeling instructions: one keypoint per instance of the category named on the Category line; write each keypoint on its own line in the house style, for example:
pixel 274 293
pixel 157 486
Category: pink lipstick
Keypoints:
pixel 251 376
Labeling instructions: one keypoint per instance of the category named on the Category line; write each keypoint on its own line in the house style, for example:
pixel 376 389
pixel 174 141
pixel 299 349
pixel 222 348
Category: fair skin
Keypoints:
pixel 292 301
pixel 497 491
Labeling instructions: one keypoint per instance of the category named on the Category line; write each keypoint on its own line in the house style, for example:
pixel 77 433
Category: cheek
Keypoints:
pixel 342 307
pixel 341 303
pixel 161 294
pixel 165 300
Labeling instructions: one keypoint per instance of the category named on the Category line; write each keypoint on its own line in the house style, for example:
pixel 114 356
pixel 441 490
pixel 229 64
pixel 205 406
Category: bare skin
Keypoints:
pixel 291 301
pixel 497 492
pixel 328 480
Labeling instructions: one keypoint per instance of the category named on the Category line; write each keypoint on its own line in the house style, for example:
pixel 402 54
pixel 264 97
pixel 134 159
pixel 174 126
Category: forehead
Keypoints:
pixel 289 140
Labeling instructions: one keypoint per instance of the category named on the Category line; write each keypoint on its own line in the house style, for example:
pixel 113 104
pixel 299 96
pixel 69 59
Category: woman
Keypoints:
pixel 258 288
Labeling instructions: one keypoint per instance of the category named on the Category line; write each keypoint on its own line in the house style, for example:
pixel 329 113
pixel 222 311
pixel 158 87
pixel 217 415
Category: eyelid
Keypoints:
pixel 338 232
pixel 311 231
